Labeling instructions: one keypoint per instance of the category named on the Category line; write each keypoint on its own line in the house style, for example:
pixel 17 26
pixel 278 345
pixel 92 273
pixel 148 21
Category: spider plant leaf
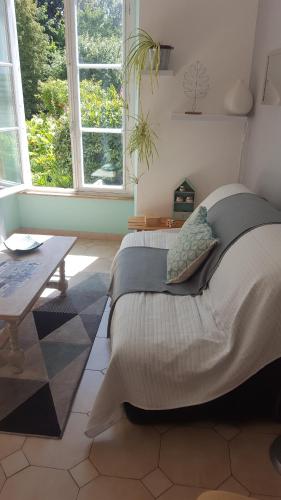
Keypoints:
pixel 142 140
pixel 138 56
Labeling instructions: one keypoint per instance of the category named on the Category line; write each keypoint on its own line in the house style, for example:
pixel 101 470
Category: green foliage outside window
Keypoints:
pixel 42 53
pixel 100 107
pixel 99 31
pixel 34 50
pixel 49 151
pixel 52 98
pixel 49 136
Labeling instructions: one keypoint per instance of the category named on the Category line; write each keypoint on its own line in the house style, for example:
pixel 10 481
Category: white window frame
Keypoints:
pixel 20 127
pixel 76 128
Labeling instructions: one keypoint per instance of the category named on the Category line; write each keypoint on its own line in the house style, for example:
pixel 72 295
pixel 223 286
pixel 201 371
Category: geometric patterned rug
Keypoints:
pixel 57 337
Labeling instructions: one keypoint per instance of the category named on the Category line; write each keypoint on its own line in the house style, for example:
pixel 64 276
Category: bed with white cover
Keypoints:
pixel 177 351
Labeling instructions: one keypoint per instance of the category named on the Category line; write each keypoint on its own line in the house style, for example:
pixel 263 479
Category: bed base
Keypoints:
pixel 258 397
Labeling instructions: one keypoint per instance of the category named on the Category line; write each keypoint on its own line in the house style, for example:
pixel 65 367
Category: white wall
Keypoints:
pixel 219 33
pixel 262 166
pixel 9 215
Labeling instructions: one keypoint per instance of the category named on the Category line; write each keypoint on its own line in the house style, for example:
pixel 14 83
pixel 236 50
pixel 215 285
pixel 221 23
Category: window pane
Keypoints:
pixel 10 170
pixel 100 31
pixel 103 159
pixel 4 51
pixel 7 112
pixel 50 151
pixel 100 94
pixel 45 89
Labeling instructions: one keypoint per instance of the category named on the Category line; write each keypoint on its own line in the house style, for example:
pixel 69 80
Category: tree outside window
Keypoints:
pixel 41 36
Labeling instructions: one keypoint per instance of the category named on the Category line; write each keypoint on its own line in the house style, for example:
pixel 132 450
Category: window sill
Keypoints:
pixel 71 193
pixel 9 191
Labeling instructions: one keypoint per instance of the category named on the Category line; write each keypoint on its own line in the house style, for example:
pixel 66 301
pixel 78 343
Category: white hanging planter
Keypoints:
pixel 238 100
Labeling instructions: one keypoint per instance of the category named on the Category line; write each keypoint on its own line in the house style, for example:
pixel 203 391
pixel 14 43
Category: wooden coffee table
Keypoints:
pixel 36 269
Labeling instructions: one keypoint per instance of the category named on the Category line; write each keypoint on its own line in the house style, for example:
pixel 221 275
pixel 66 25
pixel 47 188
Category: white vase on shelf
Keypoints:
pixel 238 100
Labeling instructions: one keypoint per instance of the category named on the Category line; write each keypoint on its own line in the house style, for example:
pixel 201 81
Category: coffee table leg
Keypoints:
pixel 62 285
pixel 16 355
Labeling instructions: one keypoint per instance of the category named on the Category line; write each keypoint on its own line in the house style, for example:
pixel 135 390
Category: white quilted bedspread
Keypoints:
pixel 171 351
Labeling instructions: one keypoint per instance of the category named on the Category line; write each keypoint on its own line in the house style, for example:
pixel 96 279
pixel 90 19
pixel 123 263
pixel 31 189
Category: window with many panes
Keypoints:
pixel 71 55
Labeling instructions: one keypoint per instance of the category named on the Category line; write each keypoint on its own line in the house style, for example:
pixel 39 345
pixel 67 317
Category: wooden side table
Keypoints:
pixel 147 223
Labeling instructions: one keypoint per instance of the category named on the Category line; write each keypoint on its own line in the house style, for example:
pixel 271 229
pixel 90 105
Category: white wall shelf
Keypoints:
pixel 207 117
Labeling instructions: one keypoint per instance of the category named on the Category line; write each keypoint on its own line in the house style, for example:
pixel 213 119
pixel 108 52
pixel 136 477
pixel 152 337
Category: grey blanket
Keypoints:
pixel 144 269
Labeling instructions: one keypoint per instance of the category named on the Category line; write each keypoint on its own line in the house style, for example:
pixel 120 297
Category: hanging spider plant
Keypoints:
pixel 142 140
pixel 134 179
pixel 143 54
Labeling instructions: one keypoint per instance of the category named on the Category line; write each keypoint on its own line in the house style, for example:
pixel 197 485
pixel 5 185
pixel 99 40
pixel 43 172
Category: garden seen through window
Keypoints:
pixel 81 145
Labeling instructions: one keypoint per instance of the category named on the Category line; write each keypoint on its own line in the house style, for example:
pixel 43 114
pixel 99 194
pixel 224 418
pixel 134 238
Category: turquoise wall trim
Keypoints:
pixel 9 215
pixel 74 214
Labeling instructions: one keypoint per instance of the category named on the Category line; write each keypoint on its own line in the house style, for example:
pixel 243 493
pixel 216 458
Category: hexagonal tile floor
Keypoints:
pixel 195 457
pixel 129 462
pixel 126 450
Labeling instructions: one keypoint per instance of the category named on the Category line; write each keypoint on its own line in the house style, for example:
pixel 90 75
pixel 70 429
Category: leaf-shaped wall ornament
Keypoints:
pixel 196 83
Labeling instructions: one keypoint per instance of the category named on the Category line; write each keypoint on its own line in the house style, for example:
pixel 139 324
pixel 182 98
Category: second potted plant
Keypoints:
pixel 145 54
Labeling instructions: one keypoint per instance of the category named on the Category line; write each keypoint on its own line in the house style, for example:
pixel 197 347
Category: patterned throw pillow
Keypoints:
pixel 191 248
